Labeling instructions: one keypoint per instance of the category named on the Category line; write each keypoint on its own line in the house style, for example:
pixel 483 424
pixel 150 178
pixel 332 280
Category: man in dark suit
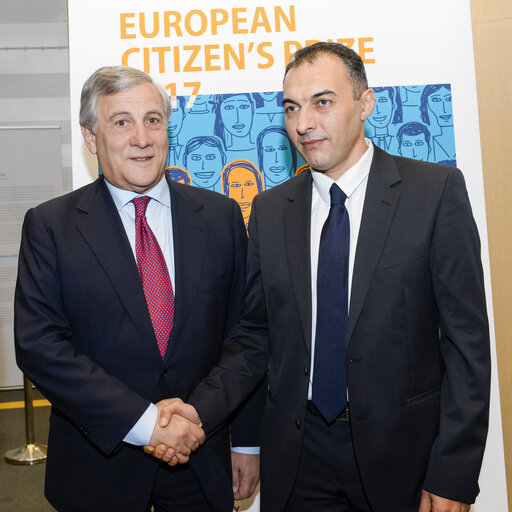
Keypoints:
pixel 126 289
pixel 378 384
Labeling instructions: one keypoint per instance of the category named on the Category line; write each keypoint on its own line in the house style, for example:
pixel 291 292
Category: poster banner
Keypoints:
pixel 222 64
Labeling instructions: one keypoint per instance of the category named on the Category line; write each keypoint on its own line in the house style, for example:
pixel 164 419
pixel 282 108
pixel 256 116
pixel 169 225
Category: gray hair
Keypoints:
pixel 110 80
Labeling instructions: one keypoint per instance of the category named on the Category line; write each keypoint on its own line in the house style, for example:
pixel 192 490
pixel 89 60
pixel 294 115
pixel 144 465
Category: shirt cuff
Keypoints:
pixel 141 433
pixel 248 450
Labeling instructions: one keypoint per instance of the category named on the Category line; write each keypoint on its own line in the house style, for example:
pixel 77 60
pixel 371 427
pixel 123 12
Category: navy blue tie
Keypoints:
pixel 329 381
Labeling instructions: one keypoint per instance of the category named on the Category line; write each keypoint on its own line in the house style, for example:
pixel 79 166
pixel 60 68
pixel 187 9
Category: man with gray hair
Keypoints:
pixel 126 289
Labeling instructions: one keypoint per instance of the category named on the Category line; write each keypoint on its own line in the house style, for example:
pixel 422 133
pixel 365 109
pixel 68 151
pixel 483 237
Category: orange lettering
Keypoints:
pixel 209 57
pixel 256 22
pixel 161 54
pixel 266 55
pixel 237 20
pixel 290 47
pixel 363 50
pixel 125 25
pixel 142 22
pixel 195 49
pixel 218 21
pixel 126 54
pixel 239 59
pixel 289 22
pixel 175 23
pixel 202 18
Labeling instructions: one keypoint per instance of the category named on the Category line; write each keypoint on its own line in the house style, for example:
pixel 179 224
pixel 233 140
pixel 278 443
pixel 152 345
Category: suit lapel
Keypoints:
pixel 190 232
pixel 382 195
pixel 100 225
pixel 297 232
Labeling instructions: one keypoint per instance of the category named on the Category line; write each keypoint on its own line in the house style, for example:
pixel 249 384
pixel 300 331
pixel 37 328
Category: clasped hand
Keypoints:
pixel 177 432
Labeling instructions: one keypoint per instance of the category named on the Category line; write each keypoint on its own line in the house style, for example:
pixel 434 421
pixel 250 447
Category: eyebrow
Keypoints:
pixel 313 97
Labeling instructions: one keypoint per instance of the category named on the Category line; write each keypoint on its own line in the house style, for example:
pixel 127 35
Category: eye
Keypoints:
pixel 228 107
pixel 324 102
pixel 153 120
pixel 269 149
pixel 283 148
pixel 210 156
pixel 195 158
pixel 244 106
pixel 121 122
pixel 291 108
pixel 235 185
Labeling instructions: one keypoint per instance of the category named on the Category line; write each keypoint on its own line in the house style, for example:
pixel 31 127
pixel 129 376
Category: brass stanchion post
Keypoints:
pixel 32 453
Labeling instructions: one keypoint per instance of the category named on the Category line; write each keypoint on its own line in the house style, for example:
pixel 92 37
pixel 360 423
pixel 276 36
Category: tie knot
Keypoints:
pixel 141 203
pixel 337 195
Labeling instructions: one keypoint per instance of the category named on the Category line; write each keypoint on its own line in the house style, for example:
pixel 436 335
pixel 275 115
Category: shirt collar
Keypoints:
pixel 121 197
pixel 349 180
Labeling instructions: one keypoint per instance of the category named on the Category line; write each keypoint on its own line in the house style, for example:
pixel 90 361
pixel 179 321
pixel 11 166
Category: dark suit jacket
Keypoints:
pixel 418 348
pixel 84 337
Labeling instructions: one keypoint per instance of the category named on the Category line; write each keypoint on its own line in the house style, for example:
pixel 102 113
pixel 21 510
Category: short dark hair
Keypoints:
pixel 352 61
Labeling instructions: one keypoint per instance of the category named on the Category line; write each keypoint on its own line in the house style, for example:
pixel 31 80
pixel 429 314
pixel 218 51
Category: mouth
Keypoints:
pixel 277 168
pixel 204 175
pixel 244 205
pixel 140 158
pixel 239 126
pixel 310 144
pixel 379 119
pixel 446 117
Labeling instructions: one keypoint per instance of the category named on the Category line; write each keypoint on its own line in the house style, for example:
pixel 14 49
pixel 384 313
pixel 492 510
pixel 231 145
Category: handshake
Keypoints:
pixel 177 432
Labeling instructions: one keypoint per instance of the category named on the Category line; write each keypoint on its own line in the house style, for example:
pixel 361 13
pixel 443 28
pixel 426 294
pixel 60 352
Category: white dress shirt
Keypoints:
pixel 353 182
pixel 159 217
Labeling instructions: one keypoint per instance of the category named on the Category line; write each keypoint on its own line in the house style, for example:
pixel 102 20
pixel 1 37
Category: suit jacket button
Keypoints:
pixel 306 371
pixel 297 423
pixel 163 372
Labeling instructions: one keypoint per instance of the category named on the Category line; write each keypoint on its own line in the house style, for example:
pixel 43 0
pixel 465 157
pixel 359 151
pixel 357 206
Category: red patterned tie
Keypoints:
pixel 154 274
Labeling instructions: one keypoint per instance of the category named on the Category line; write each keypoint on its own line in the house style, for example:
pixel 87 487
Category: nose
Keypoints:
pixel 202 164
pixel 242 195
pixel 306 120
pixel 444 107
pixel 276 159
pixel 237 114
pixel 140 136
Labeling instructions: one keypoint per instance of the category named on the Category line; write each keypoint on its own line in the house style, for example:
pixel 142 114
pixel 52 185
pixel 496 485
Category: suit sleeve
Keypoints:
pixel 99 404
pixel 244 359
pixel 457 452
pixel 246 420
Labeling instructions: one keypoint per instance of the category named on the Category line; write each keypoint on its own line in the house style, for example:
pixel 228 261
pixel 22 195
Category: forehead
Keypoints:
pixel 142 97
pixel 326 72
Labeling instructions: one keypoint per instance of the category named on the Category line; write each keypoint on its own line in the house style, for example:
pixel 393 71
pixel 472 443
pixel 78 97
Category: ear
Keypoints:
pixel 89 139
pixel 367 100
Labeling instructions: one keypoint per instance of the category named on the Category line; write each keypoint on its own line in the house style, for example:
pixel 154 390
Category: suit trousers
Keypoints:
pixel 177 490
pixel 327 478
